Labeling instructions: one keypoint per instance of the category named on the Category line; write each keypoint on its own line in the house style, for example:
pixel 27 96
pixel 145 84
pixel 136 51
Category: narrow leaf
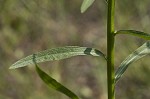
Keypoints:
pixel 52 83
pixel 135 33
pixel 56 54
pixel 86 4
pixel 137 54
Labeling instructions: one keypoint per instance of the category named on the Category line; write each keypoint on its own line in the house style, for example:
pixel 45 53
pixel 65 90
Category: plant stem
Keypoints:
pixel 110 49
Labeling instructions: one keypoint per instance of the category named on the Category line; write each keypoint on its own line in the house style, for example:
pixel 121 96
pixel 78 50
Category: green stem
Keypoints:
pixel 110 49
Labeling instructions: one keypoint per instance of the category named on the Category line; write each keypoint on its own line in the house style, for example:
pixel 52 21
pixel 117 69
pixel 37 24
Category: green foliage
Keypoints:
pixel 86 4
pixel 56 54
pixel 52 83
pixel 136 55
pixel 70 51
pixel 143 35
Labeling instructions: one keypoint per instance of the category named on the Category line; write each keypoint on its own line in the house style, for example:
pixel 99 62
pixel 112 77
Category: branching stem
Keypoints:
pixel 110 49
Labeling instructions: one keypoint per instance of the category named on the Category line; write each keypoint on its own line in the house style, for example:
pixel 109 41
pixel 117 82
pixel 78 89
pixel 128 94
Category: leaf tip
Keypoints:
pixel 12 67
pixel 15 66
pixel 82 10
pixel 86 4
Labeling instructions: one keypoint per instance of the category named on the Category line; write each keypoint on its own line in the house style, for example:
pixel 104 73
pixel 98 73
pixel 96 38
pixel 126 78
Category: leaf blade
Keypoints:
pixel 52 83
pixel 135 33
pixel 56 54
pixel 137 54
pixel 86 4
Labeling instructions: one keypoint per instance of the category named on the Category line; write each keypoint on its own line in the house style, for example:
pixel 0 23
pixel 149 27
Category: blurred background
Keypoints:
pixel 29 26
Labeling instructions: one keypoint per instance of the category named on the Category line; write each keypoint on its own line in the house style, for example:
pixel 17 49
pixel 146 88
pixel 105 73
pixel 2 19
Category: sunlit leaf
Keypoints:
pixel 56 54
pixel 135 33
pixel 137 54
pixel 52 83
pixel 86 4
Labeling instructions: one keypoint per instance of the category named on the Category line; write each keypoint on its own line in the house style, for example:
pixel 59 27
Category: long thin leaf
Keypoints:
pixel 135 33
pixel 86 4
pixel 137 54
pixel 56 54
pixel 52 83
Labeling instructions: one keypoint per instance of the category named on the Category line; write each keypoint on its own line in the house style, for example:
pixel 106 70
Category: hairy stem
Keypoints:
pixel 110 49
